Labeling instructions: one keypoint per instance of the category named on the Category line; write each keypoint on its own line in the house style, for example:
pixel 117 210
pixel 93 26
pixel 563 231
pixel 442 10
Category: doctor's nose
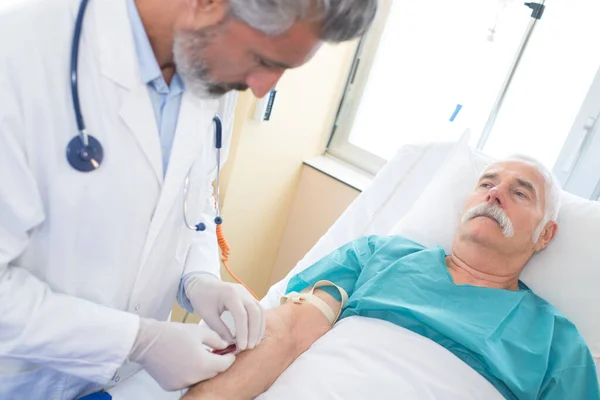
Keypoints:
pixel 262 82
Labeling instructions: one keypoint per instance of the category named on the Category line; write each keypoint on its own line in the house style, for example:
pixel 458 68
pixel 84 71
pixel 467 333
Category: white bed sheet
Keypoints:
pixel 362 358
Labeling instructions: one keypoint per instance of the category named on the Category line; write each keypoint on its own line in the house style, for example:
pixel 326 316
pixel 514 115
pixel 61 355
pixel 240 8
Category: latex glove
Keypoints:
pixel 211 297
pixel 175 354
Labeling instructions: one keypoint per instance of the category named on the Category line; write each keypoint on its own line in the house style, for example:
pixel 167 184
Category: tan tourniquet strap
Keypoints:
pixel 317 301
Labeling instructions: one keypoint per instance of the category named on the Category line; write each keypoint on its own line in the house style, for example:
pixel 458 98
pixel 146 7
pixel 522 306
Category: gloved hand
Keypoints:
pixel 175 354
pixel 211 297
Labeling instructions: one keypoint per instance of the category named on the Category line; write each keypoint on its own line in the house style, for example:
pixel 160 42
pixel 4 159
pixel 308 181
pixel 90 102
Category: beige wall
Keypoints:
pixel 318 203
pixel 263 171
pixel 267 159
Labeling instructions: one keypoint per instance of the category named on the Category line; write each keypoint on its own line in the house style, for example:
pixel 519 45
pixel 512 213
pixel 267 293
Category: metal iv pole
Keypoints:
pixel 536 15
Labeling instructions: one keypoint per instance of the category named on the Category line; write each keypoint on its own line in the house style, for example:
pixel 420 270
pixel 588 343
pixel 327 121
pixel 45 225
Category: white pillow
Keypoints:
pixel 566 274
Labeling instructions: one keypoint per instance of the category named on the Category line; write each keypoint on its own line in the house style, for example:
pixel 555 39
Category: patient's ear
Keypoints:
pixel 547 235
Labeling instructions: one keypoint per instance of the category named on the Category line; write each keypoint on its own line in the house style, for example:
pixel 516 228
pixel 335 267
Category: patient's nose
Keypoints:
pixel 495 196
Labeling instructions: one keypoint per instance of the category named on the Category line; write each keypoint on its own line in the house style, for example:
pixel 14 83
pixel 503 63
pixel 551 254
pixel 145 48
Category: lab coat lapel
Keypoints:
pixel 114 42
pixel 119 63
pixel 137 113
pixel 193 134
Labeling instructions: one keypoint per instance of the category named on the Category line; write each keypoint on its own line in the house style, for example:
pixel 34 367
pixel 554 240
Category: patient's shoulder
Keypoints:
pixel 567 336
pixel 571 361
pixel 568 347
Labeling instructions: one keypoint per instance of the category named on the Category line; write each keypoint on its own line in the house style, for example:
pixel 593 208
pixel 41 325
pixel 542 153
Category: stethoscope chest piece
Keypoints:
pixel 85 158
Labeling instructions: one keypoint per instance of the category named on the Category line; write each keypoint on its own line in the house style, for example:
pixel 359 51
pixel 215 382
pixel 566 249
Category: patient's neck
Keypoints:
pixel 484 270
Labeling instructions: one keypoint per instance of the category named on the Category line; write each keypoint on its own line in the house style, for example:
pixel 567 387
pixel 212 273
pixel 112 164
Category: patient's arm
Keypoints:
pixel 291 329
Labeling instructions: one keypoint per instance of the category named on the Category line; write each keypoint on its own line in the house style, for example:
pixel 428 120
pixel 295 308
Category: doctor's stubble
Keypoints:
pixel 188 51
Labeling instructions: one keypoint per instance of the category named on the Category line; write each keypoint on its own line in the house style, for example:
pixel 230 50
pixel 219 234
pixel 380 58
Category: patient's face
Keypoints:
pixel 505 208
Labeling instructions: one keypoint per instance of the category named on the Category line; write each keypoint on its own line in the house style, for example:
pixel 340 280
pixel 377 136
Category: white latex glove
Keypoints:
pixel 211 297
pixel 175 354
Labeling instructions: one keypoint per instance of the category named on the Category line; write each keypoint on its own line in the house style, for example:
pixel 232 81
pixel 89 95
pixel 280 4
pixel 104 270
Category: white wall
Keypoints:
pixel 267 160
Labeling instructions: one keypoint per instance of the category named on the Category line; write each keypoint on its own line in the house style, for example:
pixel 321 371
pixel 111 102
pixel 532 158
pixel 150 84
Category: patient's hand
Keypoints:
pixel 291 329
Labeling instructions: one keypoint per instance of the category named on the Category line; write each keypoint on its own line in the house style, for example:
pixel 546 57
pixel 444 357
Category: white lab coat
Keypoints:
pixel 82 255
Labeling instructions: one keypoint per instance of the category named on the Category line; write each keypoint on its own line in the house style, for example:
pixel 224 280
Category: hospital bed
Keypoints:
pixel 419 194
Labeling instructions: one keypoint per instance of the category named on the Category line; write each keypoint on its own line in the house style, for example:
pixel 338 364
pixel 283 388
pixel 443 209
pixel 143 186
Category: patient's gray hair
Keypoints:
pixel 340 20
pixel 552 190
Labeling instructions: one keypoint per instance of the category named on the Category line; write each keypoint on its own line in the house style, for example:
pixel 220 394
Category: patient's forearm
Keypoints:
pixel 291 330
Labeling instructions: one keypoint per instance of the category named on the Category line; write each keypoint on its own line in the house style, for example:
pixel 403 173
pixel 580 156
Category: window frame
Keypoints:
pixel 339 145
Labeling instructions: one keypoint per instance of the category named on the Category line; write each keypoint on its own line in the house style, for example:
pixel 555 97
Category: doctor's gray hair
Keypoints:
pixel 552 191
pixel 341 20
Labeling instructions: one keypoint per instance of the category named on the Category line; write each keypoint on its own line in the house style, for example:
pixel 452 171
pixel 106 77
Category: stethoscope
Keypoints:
pixel 201 227
pixel 85 153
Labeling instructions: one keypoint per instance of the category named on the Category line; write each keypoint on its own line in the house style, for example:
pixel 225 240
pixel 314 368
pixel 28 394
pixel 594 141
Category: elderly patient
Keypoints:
pixel 471 302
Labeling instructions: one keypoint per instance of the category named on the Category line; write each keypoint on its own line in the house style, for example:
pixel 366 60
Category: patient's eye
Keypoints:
pixel 486 185
pixel 521 194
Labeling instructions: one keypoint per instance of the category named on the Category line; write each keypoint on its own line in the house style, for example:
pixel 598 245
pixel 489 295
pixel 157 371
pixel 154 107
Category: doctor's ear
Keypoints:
pixel 208 13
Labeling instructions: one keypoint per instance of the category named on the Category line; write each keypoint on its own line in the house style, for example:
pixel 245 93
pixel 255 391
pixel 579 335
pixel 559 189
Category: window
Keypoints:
pixel 426 62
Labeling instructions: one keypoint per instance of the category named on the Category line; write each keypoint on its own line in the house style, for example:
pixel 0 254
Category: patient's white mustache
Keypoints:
pixel 494 212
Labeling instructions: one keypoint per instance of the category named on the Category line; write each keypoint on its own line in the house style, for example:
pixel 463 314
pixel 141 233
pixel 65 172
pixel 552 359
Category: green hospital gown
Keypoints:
pixel 520 343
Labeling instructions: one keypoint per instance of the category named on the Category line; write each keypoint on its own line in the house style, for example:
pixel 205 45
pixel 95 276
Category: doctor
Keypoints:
pixel 90 262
